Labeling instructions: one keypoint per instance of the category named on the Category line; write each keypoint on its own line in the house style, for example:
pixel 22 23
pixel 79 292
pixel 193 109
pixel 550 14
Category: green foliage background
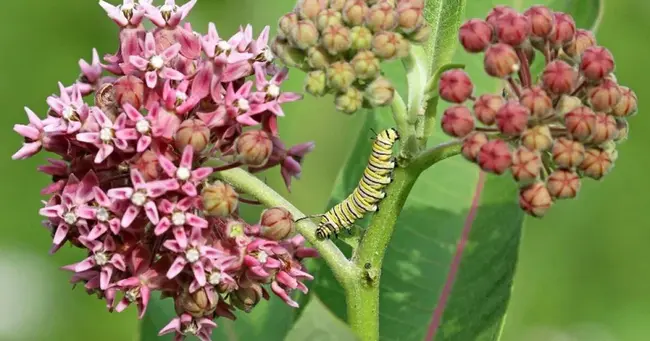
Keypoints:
pixel 583 273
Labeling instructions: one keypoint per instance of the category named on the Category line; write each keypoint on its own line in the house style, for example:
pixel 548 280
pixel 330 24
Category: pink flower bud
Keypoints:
pixel 597 63
pixel 501 60
pixel 129 89
pixel 475 35
pixel 277 224
pixel 496 12
pixel 566 104
pixel 336 39
pixel 202 302
pixel 494 157
pixel 567 153
pixel 559 77
pixel 327 18
pixel 455 86
pixel 627 105
pixel 535 199
pixel 512 118
pixel 537 101
pixel 457 121
pixel 340 76
pixel 565 29
pixel 526 165
pixel 192 132
pixel 537 138
pixel 584 39
pixel 596 164
pixel 604 96
pixel 219 199
pixel 563 184
pixel 512 28
pixel 541 21
pixel 486 108
pixel 147 164
pixel 604 130
pixel 381 17
pixel 390 45
pixel 309 9
pixel 472 144
pixel 254 147
pixel 354 12
pixel 304 34
pixel 361 38
pixel 580 123
pixel 410 16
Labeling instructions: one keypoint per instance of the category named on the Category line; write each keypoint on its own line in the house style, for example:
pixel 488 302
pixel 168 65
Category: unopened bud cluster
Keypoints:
pixel 549 133
pixel 342 43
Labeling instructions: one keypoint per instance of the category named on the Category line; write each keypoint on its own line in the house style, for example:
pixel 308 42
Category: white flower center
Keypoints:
pixel 192 255
pixel 68 113
pixel 157 62
pixel 102 214
pixel 70 218
pixel 214 278
pixel 178 218
pixel 262 257
pixel 142 126
pixel 167 9
pixel 127 7
pixel 106 135
pixel 181 96
pixel 132 294
pixel 223 46
pixel 101 258
pixel 243 105
pixel 273 90
pixel 139 198
pixel 183 173
pixel 191 329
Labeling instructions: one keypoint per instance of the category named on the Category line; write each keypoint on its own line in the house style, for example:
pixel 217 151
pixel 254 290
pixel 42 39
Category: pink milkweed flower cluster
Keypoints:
pixel 550 132
pixel 131 187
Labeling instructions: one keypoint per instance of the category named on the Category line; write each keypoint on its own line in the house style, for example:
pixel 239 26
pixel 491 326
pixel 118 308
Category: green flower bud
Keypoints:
pixel 361 38
pixel 354 12
pixel 336 39
pixel 286 23
pixel 380 92
pixel 318 58
pixel 254 147
pixel 365 65
pixel 410 15
pixel 277 224
pixel 390 45
pixel 202 302
pixel 309 9
pixel 381 17
pixel 421 35
pixel 350 101
pixel 246 298
pixel 328 17
pixel 315 83
pixel 340 76
pixel 337 5
pixel 289 55
pixel 304 34
pixel 219 199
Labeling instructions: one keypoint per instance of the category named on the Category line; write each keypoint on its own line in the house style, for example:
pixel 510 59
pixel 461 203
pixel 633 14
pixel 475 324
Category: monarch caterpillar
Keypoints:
pixel 368 193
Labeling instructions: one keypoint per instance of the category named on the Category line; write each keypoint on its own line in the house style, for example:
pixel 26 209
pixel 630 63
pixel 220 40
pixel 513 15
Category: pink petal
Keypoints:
pixel 114 225
pixel 139 62
pixel 186 158
pixel 169 73
pixel 122 305
pixel 180 236
pixel 114 13
pixel 184 204
pixel 275 287
pixel 100 117
pixel 130 215
pixel 171 52
pixel 287 280
pixel 163 225
pixel 27 150
pixel 104 152
pixel 172 245
pixel 152 212
pixel 154 14
pixel 137 179
pixel 166 206
pixel 167 166
pixel 210 252
pixel 122 193
pixel 247 120
pixel 127 134
pixel 88 137
pixel 105 277
pixel 118 262
pixel 143 143
pixel 97 231
pixel 151 78
pixel 289 97
pixel 201 173
pixel 85 264
pixel 176 267
pixel 196 221
pixel 149 45
pixel 145 294
pixel 132 112
pixel 199 273
pixel 160 187
pixel 27 131
pixel 189 189
pixel 173 325
pixel 86 212
pixel 51 211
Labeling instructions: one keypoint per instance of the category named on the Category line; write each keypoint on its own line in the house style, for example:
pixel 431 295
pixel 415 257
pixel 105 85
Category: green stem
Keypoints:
pixel 362 294
pixel 245 182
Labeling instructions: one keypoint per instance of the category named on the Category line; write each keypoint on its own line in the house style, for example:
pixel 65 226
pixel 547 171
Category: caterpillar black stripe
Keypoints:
pixel 368 193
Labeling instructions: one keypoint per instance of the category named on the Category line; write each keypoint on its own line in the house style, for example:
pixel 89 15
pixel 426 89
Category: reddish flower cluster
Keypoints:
pixel 549 133
pixel 131 187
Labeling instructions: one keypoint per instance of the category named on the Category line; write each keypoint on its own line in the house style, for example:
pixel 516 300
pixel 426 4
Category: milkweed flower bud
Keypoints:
pixel 597 63
pixel 304 34
pixel 604 129
pixel 389 45
pixel 421 35
pixel 563 184
pixel 457 121
pixel 381 17
pixel 535 199
pixel 537 138
pixel 309 9
pixel 219 199
pixel 192 132
pixel 202 302
pixel 410 15
pixel 627 105
pixel 289 55
pixel 486 108
pixel 328 17
pixel 254 147
pixel 501 60
pixel 537 102
pixel 495 157
pixel 315 83
pixel 498 11
pixel 286 24
pixel 580 123
pixel 277 224
pixel 584 39
pixel 455 86
pixel 129 90
pixel 472 144
pixel 361 38
pixel 567 153
pixel 512 28
pixel 354 12
pixel 559 77
pixel 512 118
pixel 622 130
pixel 318 58
pixel 246 298
pixel 566 104
pixel 350 101
pixel 541 21
pixel 380 92
pixel 475 35
pixel 596 164
pixel 604 96
pixel 526 165
pixel 337 5
pixel 565 29
pixel 336 39
pixel 365 65
pixel 340 76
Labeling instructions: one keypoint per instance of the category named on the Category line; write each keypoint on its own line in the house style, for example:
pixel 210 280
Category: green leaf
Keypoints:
pixel 318 323
pixel 448 272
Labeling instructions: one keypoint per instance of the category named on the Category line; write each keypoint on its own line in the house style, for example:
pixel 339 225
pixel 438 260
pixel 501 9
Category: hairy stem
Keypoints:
pixel 245 182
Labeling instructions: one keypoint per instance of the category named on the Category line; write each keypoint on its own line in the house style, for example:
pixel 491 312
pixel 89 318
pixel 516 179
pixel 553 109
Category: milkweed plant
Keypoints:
pixel 157 143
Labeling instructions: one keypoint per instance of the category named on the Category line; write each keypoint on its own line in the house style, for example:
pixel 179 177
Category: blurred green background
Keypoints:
pixel 583 275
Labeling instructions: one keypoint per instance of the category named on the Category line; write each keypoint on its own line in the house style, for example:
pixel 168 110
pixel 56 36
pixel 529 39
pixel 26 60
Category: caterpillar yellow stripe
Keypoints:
pixel 368 193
